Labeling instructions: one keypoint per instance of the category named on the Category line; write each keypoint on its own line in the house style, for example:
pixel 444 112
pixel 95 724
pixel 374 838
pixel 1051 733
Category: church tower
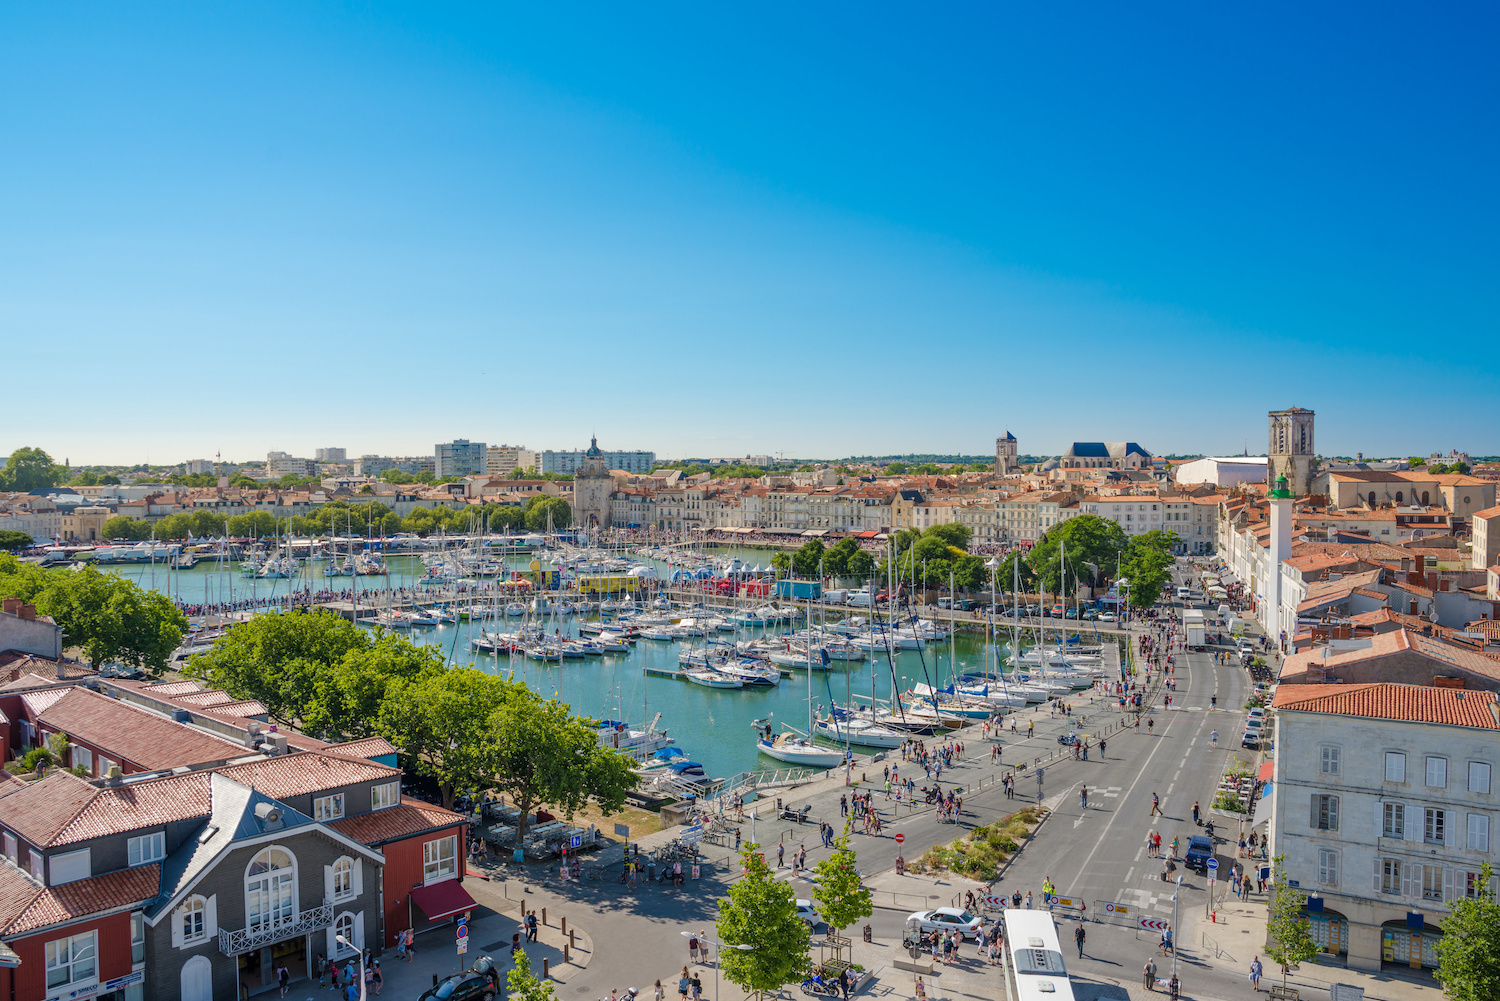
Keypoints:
pixel 1006 461
pixel 1291 449
pixel 592 486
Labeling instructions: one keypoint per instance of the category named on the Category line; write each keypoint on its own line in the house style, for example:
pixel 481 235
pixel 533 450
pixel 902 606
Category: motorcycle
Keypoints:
pixel 818 987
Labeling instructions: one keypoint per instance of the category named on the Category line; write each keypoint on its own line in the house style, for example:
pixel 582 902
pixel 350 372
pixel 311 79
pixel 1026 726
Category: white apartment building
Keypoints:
pixel 1026 517
pixel 569 463
pixel 459 457
pixel 279 464
pixel 502 460
pixel 1383 804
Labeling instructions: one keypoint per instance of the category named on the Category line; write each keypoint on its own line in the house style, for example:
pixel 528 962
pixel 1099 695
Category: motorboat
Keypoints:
pixel 709 678
pixel 858 731
pixel 515 608
pixel 795 749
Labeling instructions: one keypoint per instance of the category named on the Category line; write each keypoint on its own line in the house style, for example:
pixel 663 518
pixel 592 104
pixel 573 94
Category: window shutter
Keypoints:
pixel 1378 867
pixel 328 882
pixel 1312 814
pixel 331 948
pixel 1379 819
pixel 1406 879
pixel 359 928
pixel 358 881
pixel 211 916
pixel 1448 883
pixel 177 928
pixel 1407 823
pixel 1450 828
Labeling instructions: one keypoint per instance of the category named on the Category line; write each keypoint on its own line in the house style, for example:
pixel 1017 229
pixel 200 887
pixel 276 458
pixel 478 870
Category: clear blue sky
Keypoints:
pixel 815 229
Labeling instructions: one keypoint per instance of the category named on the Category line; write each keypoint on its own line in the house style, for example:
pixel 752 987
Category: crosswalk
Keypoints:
pixel 1148 899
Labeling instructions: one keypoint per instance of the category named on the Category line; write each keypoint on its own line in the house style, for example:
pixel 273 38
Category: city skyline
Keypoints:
pixel 847 232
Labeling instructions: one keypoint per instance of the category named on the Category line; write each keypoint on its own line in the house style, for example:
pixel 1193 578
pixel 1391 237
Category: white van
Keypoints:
pixel 860 598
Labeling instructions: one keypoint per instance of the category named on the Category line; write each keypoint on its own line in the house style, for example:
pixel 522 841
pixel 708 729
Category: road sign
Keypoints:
pixel 576 841
pixel 1110 907
pixel 1213 865
pixel 622 830
pixel 463 935
pixel 1153 924
pixel 900 838
pixel 991 900
pixel 1065 901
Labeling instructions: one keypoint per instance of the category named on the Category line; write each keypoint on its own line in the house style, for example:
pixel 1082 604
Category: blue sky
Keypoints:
pixel 818 230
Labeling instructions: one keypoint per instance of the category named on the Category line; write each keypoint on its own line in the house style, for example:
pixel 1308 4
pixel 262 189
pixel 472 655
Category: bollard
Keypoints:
pixel 570 938
pixel 434 979
pixel 544 967
pixel 544 915
pixel 565 953
pixel 565 927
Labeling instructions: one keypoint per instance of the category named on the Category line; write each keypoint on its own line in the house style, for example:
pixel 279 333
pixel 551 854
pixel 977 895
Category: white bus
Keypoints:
pixel 1037 970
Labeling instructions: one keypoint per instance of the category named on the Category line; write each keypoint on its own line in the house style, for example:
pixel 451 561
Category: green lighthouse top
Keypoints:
pixel 1282 491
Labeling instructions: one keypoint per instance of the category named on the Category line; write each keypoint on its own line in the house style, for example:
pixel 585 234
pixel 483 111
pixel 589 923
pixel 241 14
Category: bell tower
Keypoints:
pixel 1290 452
pixel 1005 455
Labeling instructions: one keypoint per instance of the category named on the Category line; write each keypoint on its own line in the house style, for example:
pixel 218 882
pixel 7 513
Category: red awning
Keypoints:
pixel 867 535
pixel 443 900
pixel 1266 770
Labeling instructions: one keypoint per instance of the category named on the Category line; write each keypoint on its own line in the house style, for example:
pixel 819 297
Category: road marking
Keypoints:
pixel 1129 874
pixel 1138 853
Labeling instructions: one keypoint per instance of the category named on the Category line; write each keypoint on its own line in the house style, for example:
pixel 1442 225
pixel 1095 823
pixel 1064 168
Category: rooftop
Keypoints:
pixel 1382 700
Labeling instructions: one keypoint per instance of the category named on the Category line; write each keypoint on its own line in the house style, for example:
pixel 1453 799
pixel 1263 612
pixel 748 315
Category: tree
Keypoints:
pixel 122 528
pixel 104 615
pixel 760 910
pixel 781 562
pixel 537 509
pixel 836 559
pixel 1006 575
pixel 1161 541
pixel 522 985
pixel 441 723
pixel 896 469
pixel 806 561
pixel 540 753
pixel 1086 539
pixel 29 469
pixel 970 573
pixel 12 541
pixel 842 898
pixel 861 564
pixel 1147 572
pixel 1469 951
pixel 953 534
pixel 1288 932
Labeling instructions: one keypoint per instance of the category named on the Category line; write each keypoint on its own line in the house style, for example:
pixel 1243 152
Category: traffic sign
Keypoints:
pixel 576 841
pixel 991 900
pixel 463 935
pixel 900 838
pixel 1213 864
pixel 1153 924
pixel 1110 907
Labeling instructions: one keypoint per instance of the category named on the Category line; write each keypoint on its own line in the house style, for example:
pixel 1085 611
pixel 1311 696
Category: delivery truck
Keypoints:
pixel 1194 636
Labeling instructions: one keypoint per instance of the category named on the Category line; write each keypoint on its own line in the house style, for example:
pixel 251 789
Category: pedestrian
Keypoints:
pixel 844 983
pixel 1083 796
pixel 1156 806
pixel 1078 936
pixel 692 948
pixel 1255 972
pixel 322 971
pixel 1028 900
pixel 378 977
pixel 703 945
pixel 780 855
pixel 1149 975
pixel 1195 813
pixel 697 987
pixel 683 983
pixel 333 971
pixel 411 944
pixel 531 926
pixel 284 979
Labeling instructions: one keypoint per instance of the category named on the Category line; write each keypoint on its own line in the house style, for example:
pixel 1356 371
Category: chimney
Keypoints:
pixel 11 604
pixel 27 611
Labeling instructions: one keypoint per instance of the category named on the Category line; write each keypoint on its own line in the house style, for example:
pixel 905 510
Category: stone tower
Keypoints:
pixel 1005 455
pixel 592 486
pixel 1291 449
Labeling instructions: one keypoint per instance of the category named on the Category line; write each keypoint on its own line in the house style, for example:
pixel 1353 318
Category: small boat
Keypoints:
pixel 795 749
pixel 858 731
pixel 711 679
pixel 515 608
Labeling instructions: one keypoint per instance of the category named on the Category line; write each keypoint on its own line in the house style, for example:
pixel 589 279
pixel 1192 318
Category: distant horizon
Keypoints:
pixel 832 230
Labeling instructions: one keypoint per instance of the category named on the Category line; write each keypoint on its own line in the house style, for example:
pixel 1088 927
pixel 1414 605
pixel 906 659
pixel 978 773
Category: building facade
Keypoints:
pixel 592 486
pixel 459 457
pixel 1290 450
pixel 569 463
pixel 1006 455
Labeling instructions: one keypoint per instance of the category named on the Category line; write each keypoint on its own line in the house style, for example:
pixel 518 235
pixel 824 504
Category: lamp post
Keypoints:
pixel 717 946
pixel 361 954
pixel 1175 905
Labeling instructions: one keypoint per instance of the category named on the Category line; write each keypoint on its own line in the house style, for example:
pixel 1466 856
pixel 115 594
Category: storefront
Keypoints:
pixel 1330 930
pixel 1410 943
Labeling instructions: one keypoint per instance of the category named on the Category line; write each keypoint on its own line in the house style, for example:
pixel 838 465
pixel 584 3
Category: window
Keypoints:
pixel 70 866
pixel 1432 882
pixel 382 796
pixel 1328 867
pixel 138 936
pixel 343 878
pixel 1395 766
pixel 1436 827
pixel 1479 777
pixel 1437 772
pixel 1325 813
pixel 1472 884
pixel 11 848
pixel 1330 760
pixel 1394 820
pixel 1390 876
pixel 70 960
pixel 194 926
pixel 1479 832
pixel 81 757
pixel 38 864
pixel 270 890
pixel 329 807
pixel 105 764
pixel 439 858
pixel 147 848
pixel 343 927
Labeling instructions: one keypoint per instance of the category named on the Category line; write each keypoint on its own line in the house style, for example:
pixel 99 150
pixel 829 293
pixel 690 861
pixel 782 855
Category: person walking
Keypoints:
pixel 1078 937
pixel 1083 796
pixel 697 987
pixel 684 982
pixel 377 977
pixel 1195 813
pixel 1156 806
pixel 1255 973
pixel 692 948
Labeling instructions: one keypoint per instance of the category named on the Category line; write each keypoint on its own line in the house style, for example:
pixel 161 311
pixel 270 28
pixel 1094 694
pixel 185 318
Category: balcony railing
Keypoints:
pixel 241 941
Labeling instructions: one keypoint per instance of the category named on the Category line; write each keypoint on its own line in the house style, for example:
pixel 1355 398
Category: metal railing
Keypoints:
pixel 242 940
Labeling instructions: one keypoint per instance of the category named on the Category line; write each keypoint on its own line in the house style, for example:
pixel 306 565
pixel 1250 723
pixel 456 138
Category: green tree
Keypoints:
pixel 256 524
pixel 1162 541
pixel 537 509
pixel 953 534
pixel 1469 951
pixel 29 469
pixel 397 478
pixel 806 560
pixel 1084 540
pixel 836 559
pixel 522 985
pixel 441 723
pixel 842 898
pixel 345 698
pixel 896 469
pixel 1147 571
pixel 861 564
pixel 760 911
pixel 543 754
pixel 782 562
pixel 104 615
pixel 12 541
pixel 1006 576
pixel 1289 933
pixel 971 574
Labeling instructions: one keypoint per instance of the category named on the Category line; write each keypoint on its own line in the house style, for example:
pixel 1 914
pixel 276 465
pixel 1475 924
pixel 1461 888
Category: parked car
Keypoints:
pixel 1107 617
pixel 947 919
pixel 1250 739
pixel 1090 614
pixel 481 981
pixel 808 914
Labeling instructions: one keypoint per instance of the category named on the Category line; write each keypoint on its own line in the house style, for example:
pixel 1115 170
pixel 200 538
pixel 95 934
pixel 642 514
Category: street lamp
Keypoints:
pixel 717 946
pixel 361 954
pixel 1174 926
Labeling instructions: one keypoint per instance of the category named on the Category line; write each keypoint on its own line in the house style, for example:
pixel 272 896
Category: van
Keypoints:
pixel 835 596
pixel 859 598
pixel 1183 592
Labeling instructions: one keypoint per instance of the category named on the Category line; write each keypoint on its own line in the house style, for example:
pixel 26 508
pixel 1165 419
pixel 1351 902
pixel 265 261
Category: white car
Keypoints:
pixel 807 914
pixel 947 919
pixel 1106 616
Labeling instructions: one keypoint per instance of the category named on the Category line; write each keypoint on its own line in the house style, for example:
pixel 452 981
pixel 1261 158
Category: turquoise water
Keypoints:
pixel 711 725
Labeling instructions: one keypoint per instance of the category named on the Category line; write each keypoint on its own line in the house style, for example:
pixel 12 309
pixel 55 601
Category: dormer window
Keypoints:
pixel 328 807
pixel 147 848
pixel 384 795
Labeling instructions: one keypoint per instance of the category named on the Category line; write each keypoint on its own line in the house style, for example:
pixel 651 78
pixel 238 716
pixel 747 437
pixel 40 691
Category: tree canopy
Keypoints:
pixel 1469 951
pixel 537 509
pixel 30 469
pixel 760 911
pixel 442 724
pixel 1086 542
pixel 842 898
pixel 104 615
pixel 1147 566
pixel 11 540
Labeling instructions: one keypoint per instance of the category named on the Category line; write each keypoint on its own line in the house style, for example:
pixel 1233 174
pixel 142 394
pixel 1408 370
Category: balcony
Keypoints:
pixel 237 943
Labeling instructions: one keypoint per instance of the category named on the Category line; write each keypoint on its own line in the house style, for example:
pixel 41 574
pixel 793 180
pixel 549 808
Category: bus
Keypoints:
pixel 1037 970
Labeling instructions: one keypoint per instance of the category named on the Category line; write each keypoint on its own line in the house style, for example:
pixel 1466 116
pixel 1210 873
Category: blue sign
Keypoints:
pixel 576 841
pixel 1213 865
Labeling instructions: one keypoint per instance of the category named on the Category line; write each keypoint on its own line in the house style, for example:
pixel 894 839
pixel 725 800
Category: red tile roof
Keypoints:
pixel 133 806
pixel 402 821
pixel 97 895
pixel 369 747
pixel 306 772
pixel 38 812
pixel 1383 700
pixel 134 734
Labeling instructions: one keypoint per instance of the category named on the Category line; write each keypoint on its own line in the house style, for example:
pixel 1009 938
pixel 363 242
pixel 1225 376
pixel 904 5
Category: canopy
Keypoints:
pixel 682 766
pixel 669 752
pixel 443 900
pixel 1262 811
